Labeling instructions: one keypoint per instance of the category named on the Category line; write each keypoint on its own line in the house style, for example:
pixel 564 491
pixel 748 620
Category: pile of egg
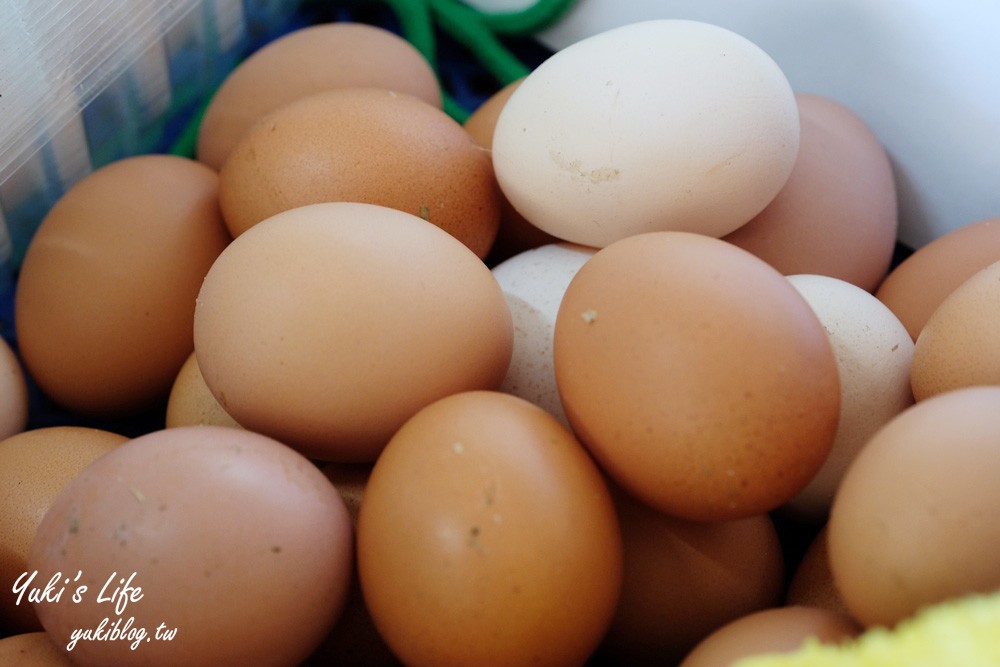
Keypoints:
pixel 546 387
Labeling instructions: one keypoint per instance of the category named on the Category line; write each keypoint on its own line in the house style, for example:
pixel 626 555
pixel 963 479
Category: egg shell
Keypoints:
pixel 914 521
pixel 699 378
pixel 685 579
pixel 663 124
pixel 874 353
pixel 777 630
pixel 305 61
pixel 916 287
pixel 514 234
pixel 35 465
pixel 13 392
pixel 363 145
pixel 533 283
pixel 328 326
pixel 811 583
pixel 959 346
pixel 32 649
pixel 837 213
pixel 488 536
pixel 105 296
pixel 191 402
pixel 235 540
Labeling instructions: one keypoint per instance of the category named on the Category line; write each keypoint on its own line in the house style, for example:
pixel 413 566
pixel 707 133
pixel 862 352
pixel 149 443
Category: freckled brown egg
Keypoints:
pixel 191 402
pixel 915 519
pixel 235 540
pixel 306 61
pixel 32 649
pixel 363 145
pixel 684 579
pixel 13 393
pixel 837 213
pixel 487 536
pixel 812 582
pixel 105 296
pixel 697 375
pixel 915 288
pixel 959 346
pixel 329 325
pixel 35 465
pixel 781 629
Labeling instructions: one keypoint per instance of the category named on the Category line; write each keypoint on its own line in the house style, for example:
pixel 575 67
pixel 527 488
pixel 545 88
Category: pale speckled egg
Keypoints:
pixel 35 465
pixel 874 353
pixel 914 520
pixel 696 374
pixel 533 283
pixel 776 630
pixel 959 345
pixel 305 61
pixel 837 213
pixel 656 125
pixel 329 325
pixel 363 145
pixel 917 286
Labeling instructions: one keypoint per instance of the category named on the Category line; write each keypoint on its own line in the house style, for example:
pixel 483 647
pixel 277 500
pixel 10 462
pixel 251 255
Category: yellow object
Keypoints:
pixel 965 632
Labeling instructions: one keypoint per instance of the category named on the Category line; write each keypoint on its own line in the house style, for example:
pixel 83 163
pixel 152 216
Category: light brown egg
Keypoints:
pixel 487 536
pixel 777 630
pixel 32 649
pixel 35 465
pixel 914 521
pixel 700 379
pixel 363 145
pixel 515 234
pixel 959 346
pixel 684 579
pixel 328 326
pixel 191 402
pixel 812 582
pixel 231 538
pixel 915 288
pixel 306 61
pixel 837 213
pixel 13 392
pixel 105 296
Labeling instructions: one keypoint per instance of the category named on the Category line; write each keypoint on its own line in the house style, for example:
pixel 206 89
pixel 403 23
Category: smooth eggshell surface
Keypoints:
pixel 837 213
pixel 657 125
pixel 914 521
pixel 697 375
pixel 32 649
pixel 328 326
pixel 487 536
pixel 13 392
pixel 959 346
pixel 191 402
pixel 533 283
pixel 234 539
pixel 874 354
pixel 305 61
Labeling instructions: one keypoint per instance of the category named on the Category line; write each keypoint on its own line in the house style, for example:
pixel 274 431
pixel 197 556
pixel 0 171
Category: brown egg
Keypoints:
pixel 306 61
pixel 777 630
pixel 363 145
pixel 34 467
pixel 230 538
pixel 515 234
pixel 487 536
pixel 959 346
pixel 685 579
pixel 837 213
pixel 915 288
pixel 105 296
pixel 13 393
pixel 915 519
pixel 32 649
pixel 812 582
pixel 698 376
pixel 328 326
pixel 191 402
